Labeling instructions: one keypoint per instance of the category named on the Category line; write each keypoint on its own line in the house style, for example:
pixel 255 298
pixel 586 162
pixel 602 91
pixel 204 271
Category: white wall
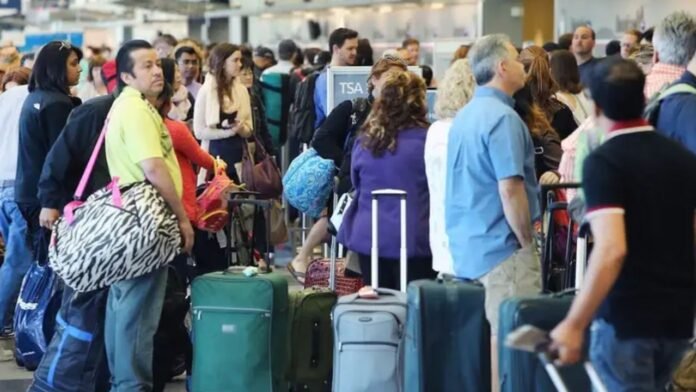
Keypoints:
pixel 611 17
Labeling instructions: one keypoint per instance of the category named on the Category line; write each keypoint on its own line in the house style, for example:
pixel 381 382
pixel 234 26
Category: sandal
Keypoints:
pixel 297 275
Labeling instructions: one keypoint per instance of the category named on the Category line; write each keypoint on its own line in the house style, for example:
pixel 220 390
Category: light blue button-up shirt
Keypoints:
pixel 488 142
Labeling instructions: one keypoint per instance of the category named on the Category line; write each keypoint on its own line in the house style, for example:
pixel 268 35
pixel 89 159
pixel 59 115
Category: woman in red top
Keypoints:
pixel 188 151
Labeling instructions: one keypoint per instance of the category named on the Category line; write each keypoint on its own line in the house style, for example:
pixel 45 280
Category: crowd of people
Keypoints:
pixel 509 120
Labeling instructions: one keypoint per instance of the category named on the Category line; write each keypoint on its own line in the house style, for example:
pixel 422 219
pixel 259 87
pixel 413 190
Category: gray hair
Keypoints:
pixel 675 38
pixel 456 89
pixel 486 54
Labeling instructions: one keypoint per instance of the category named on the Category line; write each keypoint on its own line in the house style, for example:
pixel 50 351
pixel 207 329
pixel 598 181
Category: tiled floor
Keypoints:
pixel 15 379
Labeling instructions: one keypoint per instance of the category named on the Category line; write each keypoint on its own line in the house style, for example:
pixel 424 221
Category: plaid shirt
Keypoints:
pixel 661 75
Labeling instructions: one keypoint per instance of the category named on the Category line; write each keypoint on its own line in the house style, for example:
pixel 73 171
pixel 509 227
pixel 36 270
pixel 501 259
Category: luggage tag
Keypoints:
pixel 221 239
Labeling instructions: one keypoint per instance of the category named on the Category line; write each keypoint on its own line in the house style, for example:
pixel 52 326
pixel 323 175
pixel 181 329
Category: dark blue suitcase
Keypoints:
pixel 447 337
pixel 75 360
pixel 522 371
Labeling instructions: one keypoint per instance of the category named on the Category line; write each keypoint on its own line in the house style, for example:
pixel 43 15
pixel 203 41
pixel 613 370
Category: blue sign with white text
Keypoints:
pixel 34 42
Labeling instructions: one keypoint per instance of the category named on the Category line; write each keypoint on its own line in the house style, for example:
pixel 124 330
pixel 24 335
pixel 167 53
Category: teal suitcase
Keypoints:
pixel 522 371
pixel 240 332
pixel 447 337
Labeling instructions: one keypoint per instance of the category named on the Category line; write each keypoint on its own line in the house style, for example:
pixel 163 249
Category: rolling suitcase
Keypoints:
pixel 522 371
pixel 447 337
pixel 368 332
pixel 311 335
pixel 240 330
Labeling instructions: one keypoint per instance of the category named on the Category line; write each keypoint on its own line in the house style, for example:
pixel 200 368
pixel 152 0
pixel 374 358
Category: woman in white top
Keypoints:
pixel 94 85
pixel 456 90
pixel 564 70
pixel 222 112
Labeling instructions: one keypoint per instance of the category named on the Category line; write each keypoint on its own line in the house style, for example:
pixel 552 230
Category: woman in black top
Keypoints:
pixel 45 112
pixel 543 88
pixel 334 140
pixel 547 144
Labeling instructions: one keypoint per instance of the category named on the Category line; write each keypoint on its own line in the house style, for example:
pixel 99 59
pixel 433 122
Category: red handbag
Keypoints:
pixel 212 203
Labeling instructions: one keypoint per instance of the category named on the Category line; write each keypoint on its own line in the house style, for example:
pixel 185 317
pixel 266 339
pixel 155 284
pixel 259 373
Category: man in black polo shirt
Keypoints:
pixel 640 286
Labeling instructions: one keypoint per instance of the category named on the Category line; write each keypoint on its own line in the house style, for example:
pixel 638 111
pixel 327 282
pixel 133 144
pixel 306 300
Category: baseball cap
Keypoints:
pixel 263 51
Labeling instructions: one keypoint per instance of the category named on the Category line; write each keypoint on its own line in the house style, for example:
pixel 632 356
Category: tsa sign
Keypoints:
pixel 431 97
pixel 10 7
pixel 347 83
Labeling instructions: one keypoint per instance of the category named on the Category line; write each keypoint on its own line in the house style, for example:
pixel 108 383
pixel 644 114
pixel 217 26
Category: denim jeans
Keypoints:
pixel 18 256
pixel 634 365
pixel 132 316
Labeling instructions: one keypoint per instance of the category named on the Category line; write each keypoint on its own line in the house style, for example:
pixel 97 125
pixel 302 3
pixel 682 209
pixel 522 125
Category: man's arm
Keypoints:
pixel 155 170
pixel 516 208
pixel 603 270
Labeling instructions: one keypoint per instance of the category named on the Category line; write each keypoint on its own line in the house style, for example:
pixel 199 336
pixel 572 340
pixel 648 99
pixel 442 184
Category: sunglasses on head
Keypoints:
pixel 65 45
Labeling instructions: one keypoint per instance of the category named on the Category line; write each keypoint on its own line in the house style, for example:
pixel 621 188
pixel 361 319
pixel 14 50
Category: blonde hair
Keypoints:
pixel 456 89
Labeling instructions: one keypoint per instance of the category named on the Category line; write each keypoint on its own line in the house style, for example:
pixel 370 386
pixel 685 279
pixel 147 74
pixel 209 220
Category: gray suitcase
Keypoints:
pixel 369 333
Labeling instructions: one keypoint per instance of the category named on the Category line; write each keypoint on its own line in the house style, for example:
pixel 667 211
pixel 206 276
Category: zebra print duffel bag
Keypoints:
pixel 117 234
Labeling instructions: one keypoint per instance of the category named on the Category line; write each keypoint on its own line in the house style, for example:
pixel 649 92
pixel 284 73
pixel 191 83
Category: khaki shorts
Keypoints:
pixel 519 275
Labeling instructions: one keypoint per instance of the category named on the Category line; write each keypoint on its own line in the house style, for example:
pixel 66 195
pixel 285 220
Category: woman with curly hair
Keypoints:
pixel 389 154
pixel 456 90
pixel 543 88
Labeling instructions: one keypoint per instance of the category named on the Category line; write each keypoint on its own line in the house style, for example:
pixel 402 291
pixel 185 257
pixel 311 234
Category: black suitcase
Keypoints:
pixel 447 337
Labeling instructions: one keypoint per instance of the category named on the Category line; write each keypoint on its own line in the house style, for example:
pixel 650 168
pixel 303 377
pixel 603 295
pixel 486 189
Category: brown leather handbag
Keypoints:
pixel 260 172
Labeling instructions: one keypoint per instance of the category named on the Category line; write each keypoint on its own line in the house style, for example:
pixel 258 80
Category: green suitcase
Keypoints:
pixel 311 340
pixel 240 332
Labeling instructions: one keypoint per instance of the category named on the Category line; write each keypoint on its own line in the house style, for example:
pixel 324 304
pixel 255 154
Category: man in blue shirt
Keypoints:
pixel 343 45
pixel 583 47
pixel 491 188
pixel 677 116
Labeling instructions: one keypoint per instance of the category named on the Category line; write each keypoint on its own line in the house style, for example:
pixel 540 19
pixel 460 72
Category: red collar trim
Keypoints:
pixel 621 125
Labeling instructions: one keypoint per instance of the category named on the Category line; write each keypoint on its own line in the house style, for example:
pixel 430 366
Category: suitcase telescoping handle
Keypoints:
pixel 557 380
pixel 581 255
pixel 376 195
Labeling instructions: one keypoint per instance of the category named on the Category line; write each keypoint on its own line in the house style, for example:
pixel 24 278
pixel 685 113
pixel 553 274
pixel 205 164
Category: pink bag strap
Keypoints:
pixel 79 192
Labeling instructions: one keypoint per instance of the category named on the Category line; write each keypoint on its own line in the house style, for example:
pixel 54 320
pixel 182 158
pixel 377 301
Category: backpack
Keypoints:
pixel 275 89
pixel 652 109
pixel 302 115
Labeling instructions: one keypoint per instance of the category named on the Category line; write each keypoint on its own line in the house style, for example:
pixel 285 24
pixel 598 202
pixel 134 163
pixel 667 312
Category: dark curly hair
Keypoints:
pixel 400 106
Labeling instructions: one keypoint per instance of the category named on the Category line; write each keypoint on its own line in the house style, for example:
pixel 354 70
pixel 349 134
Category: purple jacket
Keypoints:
pixel 404 169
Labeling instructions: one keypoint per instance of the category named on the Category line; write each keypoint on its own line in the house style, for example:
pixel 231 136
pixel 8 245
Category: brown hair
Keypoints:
pixel 216 64
pixel 536 63
pixel 530 112
pixel 401 105
pixel 19 75
pixel 383 65
pixel 94 62
pixel 408 42
pixel 565 72
pixel 636 33
pixel 461 53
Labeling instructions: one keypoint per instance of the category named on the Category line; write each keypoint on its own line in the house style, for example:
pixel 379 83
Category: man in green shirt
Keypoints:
pixel 138 148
